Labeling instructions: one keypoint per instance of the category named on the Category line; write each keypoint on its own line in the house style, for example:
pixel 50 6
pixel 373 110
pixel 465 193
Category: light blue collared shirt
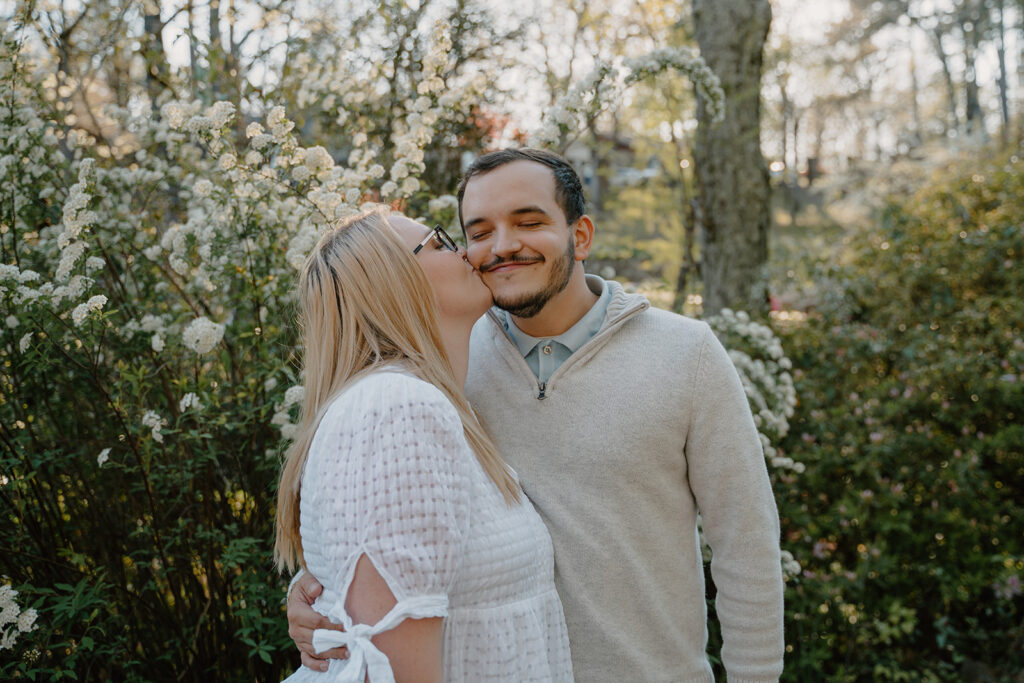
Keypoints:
pixel 545 355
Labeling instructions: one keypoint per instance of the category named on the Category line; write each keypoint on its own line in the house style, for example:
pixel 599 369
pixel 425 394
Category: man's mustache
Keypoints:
pixel 512 259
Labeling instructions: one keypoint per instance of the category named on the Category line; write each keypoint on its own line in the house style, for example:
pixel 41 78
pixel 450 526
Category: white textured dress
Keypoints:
pixel 390 475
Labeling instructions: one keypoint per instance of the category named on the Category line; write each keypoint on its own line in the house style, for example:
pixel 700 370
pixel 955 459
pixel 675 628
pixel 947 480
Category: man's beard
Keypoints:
pixel 530 304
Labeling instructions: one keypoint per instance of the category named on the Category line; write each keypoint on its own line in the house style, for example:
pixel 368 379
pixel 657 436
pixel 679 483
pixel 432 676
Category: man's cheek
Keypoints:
pixel 476 257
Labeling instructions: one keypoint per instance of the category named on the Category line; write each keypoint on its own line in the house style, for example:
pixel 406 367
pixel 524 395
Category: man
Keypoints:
pixel 622 422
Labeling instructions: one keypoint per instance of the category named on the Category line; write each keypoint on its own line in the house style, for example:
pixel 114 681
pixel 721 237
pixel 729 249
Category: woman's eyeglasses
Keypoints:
pixel 443 239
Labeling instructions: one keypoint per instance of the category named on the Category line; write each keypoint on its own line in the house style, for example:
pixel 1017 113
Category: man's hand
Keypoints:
pixel 303 620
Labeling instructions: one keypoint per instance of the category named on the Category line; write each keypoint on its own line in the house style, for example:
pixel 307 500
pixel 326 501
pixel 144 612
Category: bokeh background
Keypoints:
pixel 835 185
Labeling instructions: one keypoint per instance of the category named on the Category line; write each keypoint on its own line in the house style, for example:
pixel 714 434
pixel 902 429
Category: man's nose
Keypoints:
pixel 505 242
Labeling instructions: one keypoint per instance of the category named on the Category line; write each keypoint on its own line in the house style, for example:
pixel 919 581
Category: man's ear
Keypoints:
pixel 583 236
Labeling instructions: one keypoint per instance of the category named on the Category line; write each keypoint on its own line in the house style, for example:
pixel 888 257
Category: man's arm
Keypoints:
pixel 303 620
pixel 730 482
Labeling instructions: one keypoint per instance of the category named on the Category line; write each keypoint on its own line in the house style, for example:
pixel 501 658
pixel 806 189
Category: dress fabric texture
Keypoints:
pixel 390 475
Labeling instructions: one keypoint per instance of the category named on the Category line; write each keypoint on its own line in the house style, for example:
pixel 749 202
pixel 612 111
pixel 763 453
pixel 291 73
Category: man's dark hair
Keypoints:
pixel 568 190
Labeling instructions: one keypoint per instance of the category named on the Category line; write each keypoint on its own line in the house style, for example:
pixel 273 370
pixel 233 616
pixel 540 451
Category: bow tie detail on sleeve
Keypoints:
pixel 363 656
pixel 365 660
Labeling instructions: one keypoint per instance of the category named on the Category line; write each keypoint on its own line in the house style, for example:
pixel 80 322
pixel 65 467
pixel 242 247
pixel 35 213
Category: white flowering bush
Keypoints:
pixel 603 88
pixel 407 128
pixel 688 62
pixel 148 360
pixel 14 620
pixel 764 371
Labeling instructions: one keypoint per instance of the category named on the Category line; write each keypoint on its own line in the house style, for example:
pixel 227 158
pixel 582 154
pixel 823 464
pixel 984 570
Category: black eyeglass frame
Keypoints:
pixel 443 238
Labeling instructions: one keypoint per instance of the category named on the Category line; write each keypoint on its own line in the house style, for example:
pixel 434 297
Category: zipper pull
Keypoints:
pixel 542 386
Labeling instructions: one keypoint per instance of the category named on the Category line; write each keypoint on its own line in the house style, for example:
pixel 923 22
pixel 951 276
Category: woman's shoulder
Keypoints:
pixel 388 391
pixel 391 427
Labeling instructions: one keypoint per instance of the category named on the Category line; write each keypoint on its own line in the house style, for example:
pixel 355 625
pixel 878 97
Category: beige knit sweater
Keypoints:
pixel 643 426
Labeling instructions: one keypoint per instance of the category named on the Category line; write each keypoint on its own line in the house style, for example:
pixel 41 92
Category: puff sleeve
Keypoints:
pixel 387 476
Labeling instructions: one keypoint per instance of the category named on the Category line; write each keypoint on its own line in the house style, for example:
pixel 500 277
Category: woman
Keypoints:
pixel 393 495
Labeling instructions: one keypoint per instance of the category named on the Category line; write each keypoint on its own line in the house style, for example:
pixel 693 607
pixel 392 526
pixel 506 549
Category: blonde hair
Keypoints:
pixel 364 302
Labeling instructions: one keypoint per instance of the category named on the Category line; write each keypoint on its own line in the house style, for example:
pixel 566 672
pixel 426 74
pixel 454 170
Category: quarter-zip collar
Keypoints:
pixel 621 308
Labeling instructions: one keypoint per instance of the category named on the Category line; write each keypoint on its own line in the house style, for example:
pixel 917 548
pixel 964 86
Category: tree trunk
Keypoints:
pixel 947 75
pixel 973 121
pixel 1019 31
pixel 915 95
pixel 215 56
pixel 153 53
pixel 1004 107
pixel 192 57
pixel 690 225
pixel 786 108
pixel 732 179
pixel 794 175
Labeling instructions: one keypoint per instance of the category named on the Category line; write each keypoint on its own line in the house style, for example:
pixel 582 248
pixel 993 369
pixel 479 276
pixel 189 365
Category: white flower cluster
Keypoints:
pixel 317 161
pixel 583 101
pixel 282 417
pixel 29 150
pixel 413 133
pixel 294 395
pixel 764 371
pixel 68 258
pixel 690 63
pixel 603 85
pixel 76 218
pixel 62 247
pixel 221 113
pixel 279 125
pixel 203 187
pixel 384 163
pixel 435 62
pixel 302 243
pixel 189 400
pixel 175 114
pixel 155 423
pixel 790 567
pixel 186 116
pixel 190 246
pixel 445 201
pixel 202 335
pixel 410 137
pixel 76 214
pixel 82 311
pixel 13 620
pixel 444 210
pixel 154 325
